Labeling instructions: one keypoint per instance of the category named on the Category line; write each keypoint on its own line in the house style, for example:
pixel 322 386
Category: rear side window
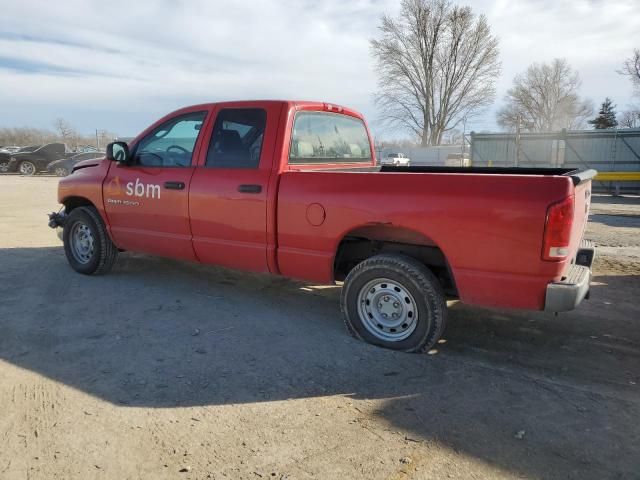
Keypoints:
pixel 236 141
pixel 320 137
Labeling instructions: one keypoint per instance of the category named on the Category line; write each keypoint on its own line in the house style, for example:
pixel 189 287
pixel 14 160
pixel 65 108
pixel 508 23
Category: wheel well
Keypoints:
pixel 74 202
pixel 353 250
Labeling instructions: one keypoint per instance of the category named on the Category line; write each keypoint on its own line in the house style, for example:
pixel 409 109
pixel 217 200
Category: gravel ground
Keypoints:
pixel 165 369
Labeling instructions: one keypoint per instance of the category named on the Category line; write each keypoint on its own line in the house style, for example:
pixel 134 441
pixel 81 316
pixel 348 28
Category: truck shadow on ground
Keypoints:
pixel 159 333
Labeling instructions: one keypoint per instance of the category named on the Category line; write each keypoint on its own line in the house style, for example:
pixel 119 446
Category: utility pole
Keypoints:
pixel 613 162
pixel 464 132
pixel 100 134
pixel 378 146
pixel 518 122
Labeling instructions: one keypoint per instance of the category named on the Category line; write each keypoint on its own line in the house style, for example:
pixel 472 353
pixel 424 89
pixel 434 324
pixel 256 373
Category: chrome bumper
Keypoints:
pixel 574 287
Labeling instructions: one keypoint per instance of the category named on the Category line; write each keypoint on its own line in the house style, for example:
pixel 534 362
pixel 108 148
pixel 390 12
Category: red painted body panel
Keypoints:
pixel 158 223
pixel 85 183
pixel 230 228
pixel 159 226
pixel 489 227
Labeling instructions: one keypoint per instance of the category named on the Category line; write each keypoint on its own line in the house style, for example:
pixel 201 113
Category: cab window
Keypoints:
pixel 172 143
pixel 320 137
pixel 236 140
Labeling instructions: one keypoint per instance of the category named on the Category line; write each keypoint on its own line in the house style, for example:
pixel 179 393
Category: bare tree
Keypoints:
pixel 452 137
pixel 26 136
pixel 437 63
pixel 631 69
pixel 66 131
pixel 545 98
pixel 629 119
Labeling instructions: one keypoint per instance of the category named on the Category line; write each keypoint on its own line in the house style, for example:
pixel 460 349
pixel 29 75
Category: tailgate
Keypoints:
pixel 582 183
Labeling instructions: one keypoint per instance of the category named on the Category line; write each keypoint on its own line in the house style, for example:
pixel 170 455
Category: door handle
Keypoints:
pixel 174 185
pixel 250 188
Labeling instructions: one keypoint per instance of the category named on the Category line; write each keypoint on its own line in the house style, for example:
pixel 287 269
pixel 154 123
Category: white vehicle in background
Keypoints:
pixel 396 160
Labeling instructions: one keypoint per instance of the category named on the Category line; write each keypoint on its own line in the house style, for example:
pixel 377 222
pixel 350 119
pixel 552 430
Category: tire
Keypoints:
pixel 27 168
pixel 87 245
pixel 61 171
pixel 395 302
pixel 4 167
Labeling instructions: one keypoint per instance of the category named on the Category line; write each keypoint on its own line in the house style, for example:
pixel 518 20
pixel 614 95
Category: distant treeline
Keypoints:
pixel 64 133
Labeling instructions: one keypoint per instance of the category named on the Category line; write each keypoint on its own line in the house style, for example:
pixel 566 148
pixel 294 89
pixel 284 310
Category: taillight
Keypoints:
pixel 557 230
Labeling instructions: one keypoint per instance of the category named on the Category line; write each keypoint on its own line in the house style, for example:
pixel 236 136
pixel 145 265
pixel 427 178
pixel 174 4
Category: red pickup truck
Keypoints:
pixel 293 188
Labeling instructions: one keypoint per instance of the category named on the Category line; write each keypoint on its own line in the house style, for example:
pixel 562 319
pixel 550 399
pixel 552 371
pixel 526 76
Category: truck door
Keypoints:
pixel 147 202
pixel 228 194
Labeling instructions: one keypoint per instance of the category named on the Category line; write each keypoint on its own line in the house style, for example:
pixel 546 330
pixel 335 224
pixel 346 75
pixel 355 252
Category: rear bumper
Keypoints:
pixel 574 287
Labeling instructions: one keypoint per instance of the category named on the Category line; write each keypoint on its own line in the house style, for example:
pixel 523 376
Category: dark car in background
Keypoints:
pixel 9 149
pixel 31 162
pixel 64 166
pixel 5 157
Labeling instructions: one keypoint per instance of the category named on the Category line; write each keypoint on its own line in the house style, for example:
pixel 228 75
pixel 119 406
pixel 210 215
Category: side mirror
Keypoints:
pixel 118 152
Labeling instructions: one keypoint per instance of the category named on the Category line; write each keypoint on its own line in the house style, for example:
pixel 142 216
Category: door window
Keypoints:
pixel 236 141
pixel 172 143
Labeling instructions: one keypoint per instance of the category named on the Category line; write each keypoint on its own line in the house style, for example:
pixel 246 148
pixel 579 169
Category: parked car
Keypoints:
pixel 32 162
pixel 396 159
pixel 290 188
pixel 5 157
pixel 85 149
pixel 9 149
pixel 64 166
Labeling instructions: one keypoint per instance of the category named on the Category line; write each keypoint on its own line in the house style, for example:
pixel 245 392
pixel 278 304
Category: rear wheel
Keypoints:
pixel 4 166
pixel 27 168
pixel 61 171
pixel 395 302
pixel 87 245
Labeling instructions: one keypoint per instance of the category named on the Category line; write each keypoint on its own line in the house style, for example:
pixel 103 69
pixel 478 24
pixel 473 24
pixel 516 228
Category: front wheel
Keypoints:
pixel 87 245
pixel 4 166
pixel 394 301
pixel 27 168
pixel 61 172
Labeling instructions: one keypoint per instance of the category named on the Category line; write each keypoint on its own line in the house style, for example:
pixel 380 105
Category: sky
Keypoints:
pixel 119 65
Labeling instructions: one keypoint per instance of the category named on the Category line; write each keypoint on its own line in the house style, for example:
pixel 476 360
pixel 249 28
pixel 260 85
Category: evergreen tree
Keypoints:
pixel 606 116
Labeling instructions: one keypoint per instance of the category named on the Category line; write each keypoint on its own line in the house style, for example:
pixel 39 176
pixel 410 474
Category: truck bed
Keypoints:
pixel 577 176
pixel 487 222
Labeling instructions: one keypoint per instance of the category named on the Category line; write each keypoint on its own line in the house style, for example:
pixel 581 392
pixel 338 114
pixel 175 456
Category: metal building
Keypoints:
pixel 614 153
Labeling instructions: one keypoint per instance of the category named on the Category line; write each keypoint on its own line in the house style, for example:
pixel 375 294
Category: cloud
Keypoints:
pixel 124 60
pixel 595 36
pixel 119 65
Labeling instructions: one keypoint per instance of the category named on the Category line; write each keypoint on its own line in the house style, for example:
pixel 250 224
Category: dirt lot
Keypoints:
pixel 165 369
